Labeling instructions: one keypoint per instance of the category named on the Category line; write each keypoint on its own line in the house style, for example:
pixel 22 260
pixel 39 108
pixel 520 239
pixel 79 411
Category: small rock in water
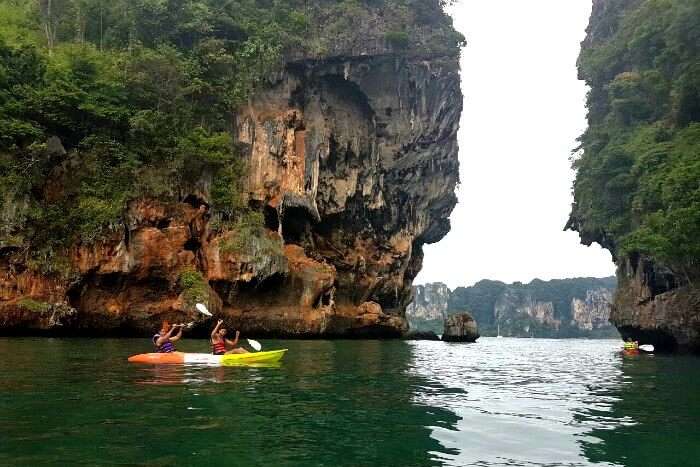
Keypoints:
pixel 460 328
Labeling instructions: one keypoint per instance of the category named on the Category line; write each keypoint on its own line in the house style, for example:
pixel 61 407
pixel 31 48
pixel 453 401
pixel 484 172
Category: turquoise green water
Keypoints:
pixel 514 402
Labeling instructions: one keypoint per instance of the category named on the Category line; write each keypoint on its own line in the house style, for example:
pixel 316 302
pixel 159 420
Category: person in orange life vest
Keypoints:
pixel 219 341
pixel 164 340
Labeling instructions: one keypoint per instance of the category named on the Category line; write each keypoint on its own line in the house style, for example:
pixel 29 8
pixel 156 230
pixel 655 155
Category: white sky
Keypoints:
pixel 523 110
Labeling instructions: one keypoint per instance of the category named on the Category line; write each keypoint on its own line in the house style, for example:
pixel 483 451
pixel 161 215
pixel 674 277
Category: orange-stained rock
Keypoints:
pixel 224 264
pixel 301 303
pixel 369 320
pixel 156 253
pixel 315 278
pixel 352 161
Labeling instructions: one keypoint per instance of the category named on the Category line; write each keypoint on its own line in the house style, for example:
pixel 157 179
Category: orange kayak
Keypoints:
pixel 183 358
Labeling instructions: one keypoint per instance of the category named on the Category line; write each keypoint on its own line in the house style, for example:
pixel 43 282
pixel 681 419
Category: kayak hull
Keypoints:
pixel 183 358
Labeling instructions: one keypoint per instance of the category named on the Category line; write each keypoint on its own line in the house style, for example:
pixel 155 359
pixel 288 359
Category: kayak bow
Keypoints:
pixel 181 358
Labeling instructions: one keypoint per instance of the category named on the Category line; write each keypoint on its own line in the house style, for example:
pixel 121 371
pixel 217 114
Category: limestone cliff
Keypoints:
pixel 351 157
pixel 636 190
pixel 593 311
pixel 428 309
pixel 558 308
pixel 355 161
pixel 518 312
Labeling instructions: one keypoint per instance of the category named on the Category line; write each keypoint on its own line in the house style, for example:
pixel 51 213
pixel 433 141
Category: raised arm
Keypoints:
pixel 179 334
pixel 216 328
pixel 233 342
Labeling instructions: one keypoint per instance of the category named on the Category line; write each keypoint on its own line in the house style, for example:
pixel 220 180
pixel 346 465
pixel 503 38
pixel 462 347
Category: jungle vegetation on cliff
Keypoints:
pixel 637 189
pixel 103 102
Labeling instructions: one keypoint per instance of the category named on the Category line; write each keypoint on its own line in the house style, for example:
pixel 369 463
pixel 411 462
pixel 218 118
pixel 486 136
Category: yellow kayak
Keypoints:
pixel 182 358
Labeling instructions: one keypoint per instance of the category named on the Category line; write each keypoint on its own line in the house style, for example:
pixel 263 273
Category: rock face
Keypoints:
pixel 558 308
pixel 352 158
pixel 657 299
pixel 355 161
pixel 653 306
pixel 427 311
pixel 460 328
pixel 592 312
pixel 518 310
pixel 650 307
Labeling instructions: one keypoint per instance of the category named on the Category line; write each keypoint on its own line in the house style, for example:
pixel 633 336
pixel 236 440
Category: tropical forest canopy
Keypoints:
pixel 105 101
pixel 637 189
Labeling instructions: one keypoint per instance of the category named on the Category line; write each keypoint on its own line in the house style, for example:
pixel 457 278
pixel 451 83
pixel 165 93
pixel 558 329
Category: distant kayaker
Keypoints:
pixel 631 345
pixel 164 339
pixel 219 341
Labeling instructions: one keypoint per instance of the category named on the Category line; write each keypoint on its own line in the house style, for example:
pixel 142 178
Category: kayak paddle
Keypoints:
pixel 255 344
pixel 646 348
pixel 203 309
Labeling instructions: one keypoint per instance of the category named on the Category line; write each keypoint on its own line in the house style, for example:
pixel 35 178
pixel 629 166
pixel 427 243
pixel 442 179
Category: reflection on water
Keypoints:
pixel 524 402
pixel 329 403
pixel 657 410
pixel 518 399
pixel 499 402
pixel 194 374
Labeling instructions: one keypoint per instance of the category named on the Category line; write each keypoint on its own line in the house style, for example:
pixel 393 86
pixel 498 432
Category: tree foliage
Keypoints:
pixel 638 179
pixel 104 101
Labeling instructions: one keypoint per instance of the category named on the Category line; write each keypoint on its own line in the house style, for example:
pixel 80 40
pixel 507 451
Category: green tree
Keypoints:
pixel 636 189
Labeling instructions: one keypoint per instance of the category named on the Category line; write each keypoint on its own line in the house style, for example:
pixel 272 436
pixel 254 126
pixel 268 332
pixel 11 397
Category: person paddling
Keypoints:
pixel 631 345
pixel 164 339
pixel 219 341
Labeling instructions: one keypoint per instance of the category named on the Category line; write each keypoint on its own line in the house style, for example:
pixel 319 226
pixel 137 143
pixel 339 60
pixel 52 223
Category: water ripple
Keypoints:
pixel 500 402
pixel 520 402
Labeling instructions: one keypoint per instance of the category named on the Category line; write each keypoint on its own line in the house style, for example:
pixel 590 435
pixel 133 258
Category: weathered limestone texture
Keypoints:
pixel 460 328
pixel 353 161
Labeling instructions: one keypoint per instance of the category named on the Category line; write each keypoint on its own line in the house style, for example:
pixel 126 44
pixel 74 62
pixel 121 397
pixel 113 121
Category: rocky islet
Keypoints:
pixel 351 158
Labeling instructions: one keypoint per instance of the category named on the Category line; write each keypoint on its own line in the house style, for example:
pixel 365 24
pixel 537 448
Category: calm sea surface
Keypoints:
pixel 500 402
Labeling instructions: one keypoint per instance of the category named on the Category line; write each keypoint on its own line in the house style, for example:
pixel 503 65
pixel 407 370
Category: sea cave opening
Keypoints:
pixel 296 227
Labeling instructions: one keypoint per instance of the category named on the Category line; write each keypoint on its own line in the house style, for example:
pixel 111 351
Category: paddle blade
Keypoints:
pixel 202 309
pixel 647 348
pixel 255 345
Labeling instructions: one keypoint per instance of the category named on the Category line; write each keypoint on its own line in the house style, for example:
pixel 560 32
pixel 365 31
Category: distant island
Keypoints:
pixel 560 308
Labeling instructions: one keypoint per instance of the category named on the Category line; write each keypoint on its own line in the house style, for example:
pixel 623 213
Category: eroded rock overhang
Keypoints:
pixel 356 160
